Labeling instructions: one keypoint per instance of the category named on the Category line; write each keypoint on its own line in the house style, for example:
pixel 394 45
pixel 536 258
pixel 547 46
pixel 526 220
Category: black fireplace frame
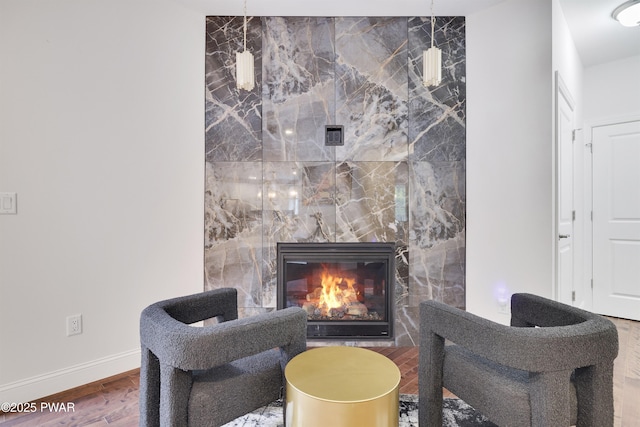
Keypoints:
pixel 355 251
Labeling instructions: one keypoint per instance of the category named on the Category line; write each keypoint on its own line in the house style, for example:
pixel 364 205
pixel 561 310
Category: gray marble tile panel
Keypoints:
pixel 298 88
pixel 371 86
pixel 233 122
pixel 371 201
pixel 233 229
pixel 437 129
pixel 437 243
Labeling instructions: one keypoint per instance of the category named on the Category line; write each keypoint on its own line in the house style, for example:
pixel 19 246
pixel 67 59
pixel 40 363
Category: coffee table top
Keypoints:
pixel 342 374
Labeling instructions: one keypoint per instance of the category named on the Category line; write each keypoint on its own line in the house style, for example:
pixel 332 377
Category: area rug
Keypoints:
pixel 456 413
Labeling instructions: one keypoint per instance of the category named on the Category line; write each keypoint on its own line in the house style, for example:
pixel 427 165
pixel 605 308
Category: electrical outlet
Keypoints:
pixel 74 325
pixel 503 307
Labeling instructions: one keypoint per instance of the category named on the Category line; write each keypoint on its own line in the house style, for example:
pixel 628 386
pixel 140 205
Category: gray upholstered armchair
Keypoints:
pixel 208 376
pixel 552 367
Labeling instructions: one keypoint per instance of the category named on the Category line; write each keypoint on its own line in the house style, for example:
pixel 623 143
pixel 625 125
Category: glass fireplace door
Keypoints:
pixel 345 288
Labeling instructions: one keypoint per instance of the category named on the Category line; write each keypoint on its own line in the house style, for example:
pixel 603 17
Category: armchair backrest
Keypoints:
pixel 589 337
pixel 165 330
pixel 523 374
pixel 532 310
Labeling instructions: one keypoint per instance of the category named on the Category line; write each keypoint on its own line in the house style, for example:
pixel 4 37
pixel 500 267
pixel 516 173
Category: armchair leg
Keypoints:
pixel 550 399
pixel 430 380
pixel 149 389
pixel 594 386
pixel 175 386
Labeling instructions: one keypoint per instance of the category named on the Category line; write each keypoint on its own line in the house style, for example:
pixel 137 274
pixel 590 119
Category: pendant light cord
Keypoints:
pixel 433 23
pixel 245 25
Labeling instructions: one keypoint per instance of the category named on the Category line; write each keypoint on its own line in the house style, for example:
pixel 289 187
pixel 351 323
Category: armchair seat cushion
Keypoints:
pixel 253 381
pixel 469 376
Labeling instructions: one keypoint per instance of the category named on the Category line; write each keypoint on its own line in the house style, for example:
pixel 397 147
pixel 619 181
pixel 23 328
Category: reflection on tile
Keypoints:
pixel 233 229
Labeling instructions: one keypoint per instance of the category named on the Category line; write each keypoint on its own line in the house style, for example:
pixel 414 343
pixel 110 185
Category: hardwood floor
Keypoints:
pixel 114 401
pixel 626 375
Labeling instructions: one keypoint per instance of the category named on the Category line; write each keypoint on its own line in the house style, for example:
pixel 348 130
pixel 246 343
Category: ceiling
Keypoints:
pixel 598 37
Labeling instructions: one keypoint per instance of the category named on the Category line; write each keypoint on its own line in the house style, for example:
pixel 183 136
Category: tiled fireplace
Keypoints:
pixel 345 288
pixel 399 177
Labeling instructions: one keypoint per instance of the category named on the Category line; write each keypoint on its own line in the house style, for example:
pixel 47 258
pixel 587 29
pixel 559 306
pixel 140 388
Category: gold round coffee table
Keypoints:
pixel 341 386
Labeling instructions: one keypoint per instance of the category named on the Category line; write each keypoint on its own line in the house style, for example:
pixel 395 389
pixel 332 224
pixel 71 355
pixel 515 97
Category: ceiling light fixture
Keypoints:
pixel 244 62
pixel 628 13
pixel 432 59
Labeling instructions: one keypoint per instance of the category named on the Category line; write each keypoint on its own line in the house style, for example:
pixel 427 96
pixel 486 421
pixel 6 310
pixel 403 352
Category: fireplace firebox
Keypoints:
pixel 345 288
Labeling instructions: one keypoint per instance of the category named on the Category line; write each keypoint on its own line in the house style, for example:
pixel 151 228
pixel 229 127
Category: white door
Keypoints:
pixel 564 204
pixel 616 220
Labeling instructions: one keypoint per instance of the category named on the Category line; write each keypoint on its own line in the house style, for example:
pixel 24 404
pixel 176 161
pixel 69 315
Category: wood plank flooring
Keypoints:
pixel 626 375
pixel 114 401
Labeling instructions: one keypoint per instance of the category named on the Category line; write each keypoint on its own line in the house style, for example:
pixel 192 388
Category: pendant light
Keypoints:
pixel 244 62
pixel 432 59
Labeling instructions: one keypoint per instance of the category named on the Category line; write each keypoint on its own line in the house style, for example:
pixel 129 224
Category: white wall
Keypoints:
pixel 509 153
pixel 612 90
pixel 101 136
pixel 566 59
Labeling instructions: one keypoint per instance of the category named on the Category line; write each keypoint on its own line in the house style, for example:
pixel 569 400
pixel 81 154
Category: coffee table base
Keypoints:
pixel 341 387
pixel 306 411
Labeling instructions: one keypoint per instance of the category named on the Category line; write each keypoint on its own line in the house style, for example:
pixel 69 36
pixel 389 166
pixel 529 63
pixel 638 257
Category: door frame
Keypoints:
pixel 560 90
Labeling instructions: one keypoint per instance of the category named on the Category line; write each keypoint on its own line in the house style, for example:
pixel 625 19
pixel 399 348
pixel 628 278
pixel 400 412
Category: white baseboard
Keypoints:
pixel 54 382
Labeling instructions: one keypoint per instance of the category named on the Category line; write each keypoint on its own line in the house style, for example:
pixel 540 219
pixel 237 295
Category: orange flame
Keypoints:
pixel 334 294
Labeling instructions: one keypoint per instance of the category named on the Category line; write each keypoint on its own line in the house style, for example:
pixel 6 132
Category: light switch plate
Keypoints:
pixel 8 203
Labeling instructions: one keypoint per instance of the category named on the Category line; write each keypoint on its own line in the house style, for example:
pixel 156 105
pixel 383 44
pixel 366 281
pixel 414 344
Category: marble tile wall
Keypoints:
pixel 400 175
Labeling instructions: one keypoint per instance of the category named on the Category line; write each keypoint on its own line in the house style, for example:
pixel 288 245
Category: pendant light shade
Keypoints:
pixel 245 78
pixel 432 59
pixel 432 67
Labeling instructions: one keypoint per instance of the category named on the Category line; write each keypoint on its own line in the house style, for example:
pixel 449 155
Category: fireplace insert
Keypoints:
pixel 345 288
